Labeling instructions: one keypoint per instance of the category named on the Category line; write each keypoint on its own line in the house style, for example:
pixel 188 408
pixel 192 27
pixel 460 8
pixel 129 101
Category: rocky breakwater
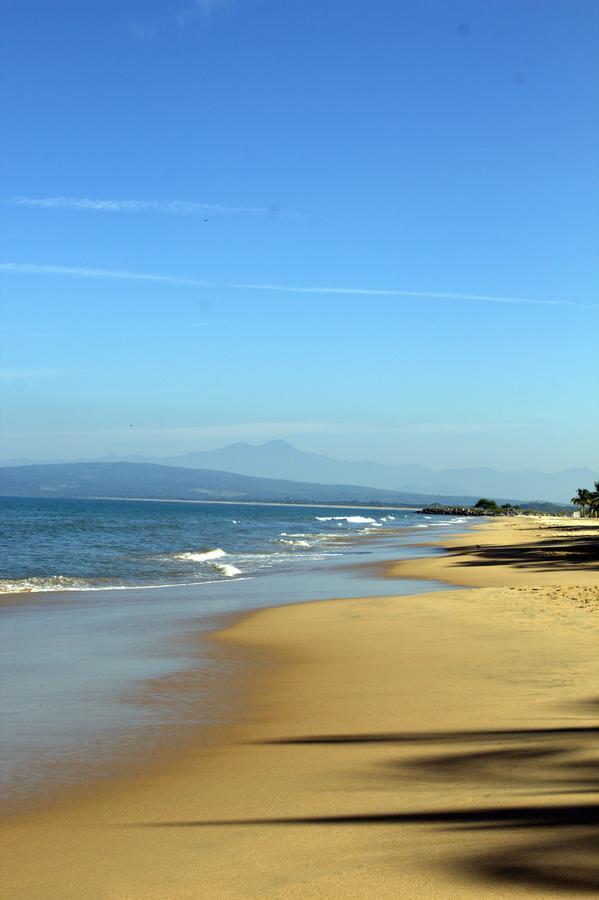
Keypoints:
pixel 438 510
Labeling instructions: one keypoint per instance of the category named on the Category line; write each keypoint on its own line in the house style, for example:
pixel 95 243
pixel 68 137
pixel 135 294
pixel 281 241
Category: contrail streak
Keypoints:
pixel 125 275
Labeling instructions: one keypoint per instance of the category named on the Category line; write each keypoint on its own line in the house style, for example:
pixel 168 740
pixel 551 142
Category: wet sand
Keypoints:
pixel 440 745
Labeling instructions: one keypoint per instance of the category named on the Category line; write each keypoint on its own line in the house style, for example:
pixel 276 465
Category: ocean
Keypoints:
pixel 80 545
pixel 108 604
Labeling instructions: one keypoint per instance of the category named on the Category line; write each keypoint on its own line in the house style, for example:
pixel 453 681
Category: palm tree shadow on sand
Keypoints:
pixel 548 555
pixel 557 848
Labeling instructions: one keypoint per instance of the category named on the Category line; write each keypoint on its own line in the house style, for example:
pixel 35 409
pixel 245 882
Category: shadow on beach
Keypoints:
pixel 549 555
pixel 557 847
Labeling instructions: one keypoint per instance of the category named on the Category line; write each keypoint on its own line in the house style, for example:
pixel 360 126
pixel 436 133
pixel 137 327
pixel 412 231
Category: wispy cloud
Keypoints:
pixel 265 430
pixel 240 430
pixel 453 427
pixel 7 334
pixel 175 207
pixel 183 13
pixel 144 32
pixel 219 431
pixel 125 275
pixel 179 436
pixel 198 9
pixel 32 373
pixel 206 7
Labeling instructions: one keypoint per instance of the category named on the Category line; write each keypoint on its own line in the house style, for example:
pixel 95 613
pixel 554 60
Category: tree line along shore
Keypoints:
pixel 586 501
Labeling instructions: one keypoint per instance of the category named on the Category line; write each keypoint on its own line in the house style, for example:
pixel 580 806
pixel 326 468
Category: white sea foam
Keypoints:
pixel 296 543
pixel 229 571
pixel 352 520
pixel 359 520
pixel 60 583
pixel 49 583
pixel 201 556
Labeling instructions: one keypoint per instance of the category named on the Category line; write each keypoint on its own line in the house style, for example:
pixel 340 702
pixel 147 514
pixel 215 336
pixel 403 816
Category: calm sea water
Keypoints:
pixel 111 598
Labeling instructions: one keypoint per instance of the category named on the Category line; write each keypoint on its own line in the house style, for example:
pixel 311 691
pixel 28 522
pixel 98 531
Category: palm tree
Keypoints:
pixel 583 499
pixel 594 500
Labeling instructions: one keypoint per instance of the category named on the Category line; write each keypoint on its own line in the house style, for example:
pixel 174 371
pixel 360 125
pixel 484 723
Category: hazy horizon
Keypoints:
pixel 272 443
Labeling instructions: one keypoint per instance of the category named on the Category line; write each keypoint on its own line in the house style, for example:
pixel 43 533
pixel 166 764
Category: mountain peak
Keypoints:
pixel 277 458
pixel 279 444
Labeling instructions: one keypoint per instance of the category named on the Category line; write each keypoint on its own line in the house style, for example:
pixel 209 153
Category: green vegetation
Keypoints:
pixel 486 504
pixel 587 501
pixel 491 506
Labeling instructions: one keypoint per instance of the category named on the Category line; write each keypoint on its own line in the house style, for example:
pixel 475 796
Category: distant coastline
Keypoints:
pixel 311 504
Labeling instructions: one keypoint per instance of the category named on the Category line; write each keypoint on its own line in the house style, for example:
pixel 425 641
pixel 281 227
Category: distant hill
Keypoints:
pixel 278 459
pixel 126 479
pixel 149 480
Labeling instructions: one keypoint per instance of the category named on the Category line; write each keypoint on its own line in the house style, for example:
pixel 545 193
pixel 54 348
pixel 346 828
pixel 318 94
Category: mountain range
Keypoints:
pixel 280 460
pixel 135 480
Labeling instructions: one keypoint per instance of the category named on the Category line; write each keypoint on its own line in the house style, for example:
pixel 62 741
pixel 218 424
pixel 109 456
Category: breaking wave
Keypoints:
pixel 295 543
pixel 48 583
pixel 60 583
pixel 84 546
pixel 353 520
pixel 200 556
pixel 228 570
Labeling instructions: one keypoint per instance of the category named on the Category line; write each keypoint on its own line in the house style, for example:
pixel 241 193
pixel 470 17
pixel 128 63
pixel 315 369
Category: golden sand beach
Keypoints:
pixel 430 746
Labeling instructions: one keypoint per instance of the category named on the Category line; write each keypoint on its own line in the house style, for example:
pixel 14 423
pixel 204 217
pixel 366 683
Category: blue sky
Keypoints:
pixel 426 170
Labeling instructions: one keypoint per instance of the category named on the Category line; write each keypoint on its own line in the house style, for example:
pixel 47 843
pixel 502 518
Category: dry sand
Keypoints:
pixel 531 550
pixel 432 746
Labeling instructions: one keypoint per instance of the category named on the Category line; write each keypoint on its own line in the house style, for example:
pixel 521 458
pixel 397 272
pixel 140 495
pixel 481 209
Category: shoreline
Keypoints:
pixel 508 552
pixel 345 709
pixel 158 699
